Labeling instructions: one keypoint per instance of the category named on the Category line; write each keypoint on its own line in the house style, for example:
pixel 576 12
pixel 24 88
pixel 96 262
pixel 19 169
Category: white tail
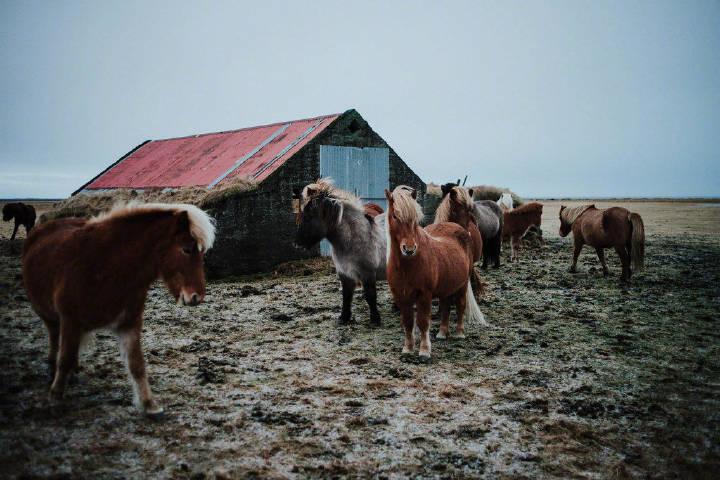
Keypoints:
pixel 472 309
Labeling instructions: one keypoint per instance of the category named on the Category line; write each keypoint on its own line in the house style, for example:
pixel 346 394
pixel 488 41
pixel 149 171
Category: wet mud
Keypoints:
pixel 577 376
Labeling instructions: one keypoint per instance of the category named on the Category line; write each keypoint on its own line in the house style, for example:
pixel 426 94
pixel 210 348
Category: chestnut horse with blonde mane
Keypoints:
pixel 82 275
pixel 614 227
pixel 435 262
pixel 517 221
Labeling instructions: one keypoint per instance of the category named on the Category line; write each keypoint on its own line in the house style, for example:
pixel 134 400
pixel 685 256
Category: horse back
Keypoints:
pixel 489 218
pixel 604 228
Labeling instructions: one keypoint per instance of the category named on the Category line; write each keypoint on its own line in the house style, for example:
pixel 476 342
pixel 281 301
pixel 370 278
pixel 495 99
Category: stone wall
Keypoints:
pixel 256 230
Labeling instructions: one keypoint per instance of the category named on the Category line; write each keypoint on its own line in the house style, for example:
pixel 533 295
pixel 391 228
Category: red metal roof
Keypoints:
pixel 207 159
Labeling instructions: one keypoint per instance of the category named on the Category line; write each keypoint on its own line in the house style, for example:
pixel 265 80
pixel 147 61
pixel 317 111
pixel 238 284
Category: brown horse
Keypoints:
pixel 83 275
pixel 517 221
pixel 424 264
pixel 604 228
pixel 458 207
pixel 23 215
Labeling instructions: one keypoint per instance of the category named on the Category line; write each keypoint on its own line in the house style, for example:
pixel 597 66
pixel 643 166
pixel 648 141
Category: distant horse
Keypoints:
pixel 373 209
pixel 489 219
pixel 357 236
pixel 458 207
pixel 82 275
pixel 518 221
pixel 505 202
pixel 23 215
pixel 604 228
pixel 423 264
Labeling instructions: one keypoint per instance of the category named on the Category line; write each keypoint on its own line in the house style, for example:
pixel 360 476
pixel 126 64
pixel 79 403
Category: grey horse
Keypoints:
pixel 357 236
pixel 489 218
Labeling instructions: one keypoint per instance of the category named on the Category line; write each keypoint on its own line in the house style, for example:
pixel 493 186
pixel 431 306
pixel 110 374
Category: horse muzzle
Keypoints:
pixel 408 252
pixel 190 299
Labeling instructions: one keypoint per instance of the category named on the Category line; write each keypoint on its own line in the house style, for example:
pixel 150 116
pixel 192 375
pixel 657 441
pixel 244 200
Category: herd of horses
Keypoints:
pixel 86 274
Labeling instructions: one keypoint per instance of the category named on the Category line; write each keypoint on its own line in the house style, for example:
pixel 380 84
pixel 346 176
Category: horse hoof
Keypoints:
pixel 460 336
pixel 441 336
pixel 344 320
pixel 424 357
pixel 154 413
pixel 375 322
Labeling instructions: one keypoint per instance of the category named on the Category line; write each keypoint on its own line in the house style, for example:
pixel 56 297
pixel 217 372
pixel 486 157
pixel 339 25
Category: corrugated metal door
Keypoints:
pixel 362 171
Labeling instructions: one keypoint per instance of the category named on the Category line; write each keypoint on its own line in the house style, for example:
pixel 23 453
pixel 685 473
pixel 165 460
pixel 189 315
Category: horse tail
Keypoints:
pixel 637 242
pixel 472 309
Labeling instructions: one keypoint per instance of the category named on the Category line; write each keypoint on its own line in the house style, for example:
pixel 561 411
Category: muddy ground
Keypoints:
pixel 576 377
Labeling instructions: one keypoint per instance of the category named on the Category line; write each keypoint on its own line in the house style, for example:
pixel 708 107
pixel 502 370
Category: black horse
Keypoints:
pixel 23 215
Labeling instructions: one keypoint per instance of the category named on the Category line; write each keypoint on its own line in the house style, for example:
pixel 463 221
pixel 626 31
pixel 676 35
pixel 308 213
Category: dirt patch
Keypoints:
pixel 577 377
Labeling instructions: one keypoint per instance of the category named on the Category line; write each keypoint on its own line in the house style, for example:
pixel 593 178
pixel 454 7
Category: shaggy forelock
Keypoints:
pixel 442 214
pixel 404 205
pixel 202 226
pixel 326 188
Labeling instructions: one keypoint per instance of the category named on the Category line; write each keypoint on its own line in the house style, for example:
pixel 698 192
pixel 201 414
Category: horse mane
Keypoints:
pixel 569 215
pixel 202 226
pixel 406 208
pixel 325 187
pixel 442 214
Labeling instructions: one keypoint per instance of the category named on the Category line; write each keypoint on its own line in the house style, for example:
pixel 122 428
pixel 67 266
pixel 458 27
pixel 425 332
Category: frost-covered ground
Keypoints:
pixel 577 377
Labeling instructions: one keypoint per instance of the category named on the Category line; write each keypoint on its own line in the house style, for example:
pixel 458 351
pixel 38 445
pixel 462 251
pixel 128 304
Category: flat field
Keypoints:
pixel 577 376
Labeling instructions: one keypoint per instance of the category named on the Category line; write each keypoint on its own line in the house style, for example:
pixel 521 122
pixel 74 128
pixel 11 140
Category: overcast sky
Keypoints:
pixel 553 98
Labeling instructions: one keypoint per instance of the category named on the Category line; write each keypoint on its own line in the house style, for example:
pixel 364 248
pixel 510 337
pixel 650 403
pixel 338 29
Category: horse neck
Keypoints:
pixel 353 227
pixel 144 237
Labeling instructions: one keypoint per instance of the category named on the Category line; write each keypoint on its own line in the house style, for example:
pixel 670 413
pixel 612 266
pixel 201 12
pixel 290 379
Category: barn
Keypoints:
pixel 255 229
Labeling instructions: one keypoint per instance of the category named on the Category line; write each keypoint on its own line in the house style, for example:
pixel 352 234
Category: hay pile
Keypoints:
pixel 86 205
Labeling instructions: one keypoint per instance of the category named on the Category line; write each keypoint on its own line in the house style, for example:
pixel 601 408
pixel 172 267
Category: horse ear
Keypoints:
pixel 388 195
pixel 445 189
pixel 470 192
pixel 453 194
pixel 332 209
pixel 297 193
pixel 413 193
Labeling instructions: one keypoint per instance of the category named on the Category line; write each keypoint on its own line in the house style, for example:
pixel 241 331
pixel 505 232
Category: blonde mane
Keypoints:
pixel 442 214
pixel 326 187
pixel 202 226
pixel 406 208
pixel 569 215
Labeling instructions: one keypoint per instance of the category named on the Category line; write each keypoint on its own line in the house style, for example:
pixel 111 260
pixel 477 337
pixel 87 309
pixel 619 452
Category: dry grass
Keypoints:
pixel 88 205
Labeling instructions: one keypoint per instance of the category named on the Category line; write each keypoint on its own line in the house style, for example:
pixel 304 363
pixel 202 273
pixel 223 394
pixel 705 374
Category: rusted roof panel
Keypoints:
pixel 203 160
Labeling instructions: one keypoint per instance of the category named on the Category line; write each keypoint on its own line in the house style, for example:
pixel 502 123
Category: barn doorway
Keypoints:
pixel 362 171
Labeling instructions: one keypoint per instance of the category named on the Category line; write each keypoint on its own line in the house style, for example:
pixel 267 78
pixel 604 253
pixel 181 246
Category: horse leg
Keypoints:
pixel 408 322
pixel 17 225
pixel 625 260
pixel 67 361
pixel 601 255
pixel 370 293
pixel 515 246
pixel 54 340
pixel 132 352
pixel 576 253
pixel 460 306
pixel 423 322
pixel 496 246
pixel 485 255
pixel 444 319
pixel 348 290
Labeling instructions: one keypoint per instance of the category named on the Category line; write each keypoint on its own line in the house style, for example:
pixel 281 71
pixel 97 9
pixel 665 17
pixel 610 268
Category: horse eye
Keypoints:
pixel 188 250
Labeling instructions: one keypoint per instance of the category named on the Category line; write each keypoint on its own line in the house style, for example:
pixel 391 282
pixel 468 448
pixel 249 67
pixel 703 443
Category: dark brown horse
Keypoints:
pixel 517 221
pixel 423 264
pixel 23 215
pixel 458 207
pixel 83 275
pixel 614 227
